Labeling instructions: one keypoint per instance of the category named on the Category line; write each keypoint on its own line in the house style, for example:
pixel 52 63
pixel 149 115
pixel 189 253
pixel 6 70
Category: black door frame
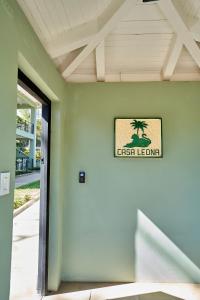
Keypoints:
pixel 31 88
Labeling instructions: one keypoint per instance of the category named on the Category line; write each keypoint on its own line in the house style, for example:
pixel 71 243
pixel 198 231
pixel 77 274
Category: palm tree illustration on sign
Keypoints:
pixel 138 141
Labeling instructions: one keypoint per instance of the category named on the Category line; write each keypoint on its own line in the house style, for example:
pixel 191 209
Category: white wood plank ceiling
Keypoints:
pixel 119 40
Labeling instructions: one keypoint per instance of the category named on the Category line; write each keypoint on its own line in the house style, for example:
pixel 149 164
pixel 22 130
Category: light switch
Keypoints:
pixel 4 183
pixel 81 177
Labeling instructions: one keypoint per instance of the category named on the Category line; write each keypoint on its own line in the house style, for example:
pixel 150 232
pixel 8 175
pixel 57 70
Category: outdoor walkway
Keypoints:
pixel 27 178
pixel 25 254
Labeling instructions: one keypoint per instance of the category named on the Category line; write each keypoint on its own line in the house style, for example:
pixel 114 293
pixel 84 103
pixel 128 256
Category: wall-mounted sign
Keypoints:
pixel 138 137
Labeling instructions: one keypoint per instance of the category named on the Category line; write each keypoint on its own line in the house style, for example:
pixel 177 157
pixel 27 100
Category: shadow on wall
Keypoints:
pixel 158 258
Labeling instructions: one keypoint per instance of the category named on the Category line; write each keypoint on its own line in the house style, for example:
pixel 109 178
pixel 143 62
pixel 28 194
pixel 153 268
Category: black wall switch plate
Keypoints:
pixel 81 177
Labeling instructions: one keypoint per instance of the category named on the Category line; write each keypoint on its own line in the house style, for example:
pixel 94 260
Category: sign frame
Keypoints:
pixel 140 118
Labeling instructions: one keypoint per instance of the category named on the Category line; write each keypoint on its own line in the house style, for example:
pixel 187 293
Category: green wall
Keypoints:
pixel 130 212
pixel 134 219
pixel 20 47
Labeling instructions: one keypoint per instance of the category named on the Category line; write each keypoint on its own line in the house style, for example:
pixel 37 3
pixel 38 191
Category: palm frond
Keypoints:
pixel 139 124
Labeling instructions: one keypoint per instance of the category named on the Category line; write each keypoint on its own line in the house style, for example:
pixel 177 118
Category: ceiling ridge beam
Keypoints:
pixel 172 58
pixel 183 33
pixel 116 11
pixel 100 61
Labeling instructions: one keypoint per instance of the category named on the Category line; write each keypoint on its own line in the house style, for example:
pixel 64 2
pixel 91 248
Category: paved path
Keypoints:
pixel 25 254
pixel 25 179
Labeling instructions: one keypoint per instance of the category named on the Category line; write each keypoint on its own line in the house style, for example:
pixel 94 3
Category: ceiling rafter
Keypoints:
pixel 72 39
pixel 172 58
pixel 183 33
pixel 100 61
pixel 194 28
pixel 116 10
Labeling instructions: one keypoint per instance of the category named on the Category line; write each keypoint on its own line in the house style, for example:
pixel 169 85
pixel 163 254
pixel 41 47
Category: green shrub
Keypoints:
pixel 36 169
pixel 18 203
pixel 27 198
pixel 29 186
pixel 22 172
pixel 26 193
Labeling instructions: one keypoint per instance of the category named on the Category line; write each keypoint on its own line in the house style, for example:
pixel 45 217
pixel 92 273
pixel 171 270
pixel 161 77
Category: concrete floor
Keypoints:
pixel 131 291
pixel 27 178
pixel 25 254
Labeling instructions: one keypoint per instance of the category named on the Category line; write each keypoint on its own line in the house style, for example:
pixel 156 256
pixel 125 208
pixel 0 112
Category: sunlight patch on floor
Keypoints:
pixel 132 291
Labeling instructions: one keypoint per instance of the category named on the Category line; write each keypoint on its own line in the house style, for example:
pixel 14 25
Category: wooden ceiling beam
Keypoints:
pixel 172 58
pixel 179 27
pixel 194 28
pixel 114 13
pixel 100 61
pixel 72 39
